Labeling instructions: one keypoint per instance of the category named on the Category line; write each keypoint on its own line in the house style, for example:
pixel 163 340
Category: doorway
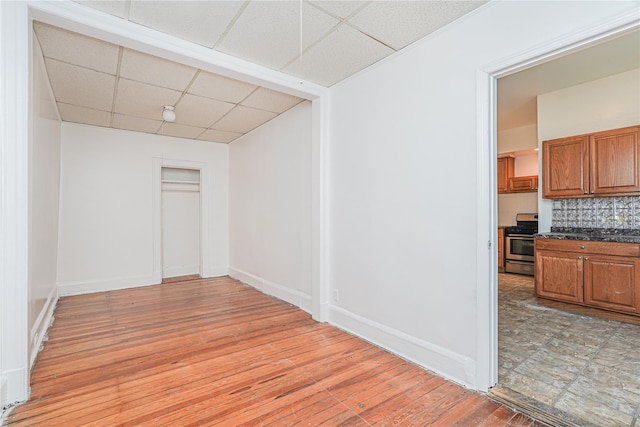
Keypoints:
pixel 552 361
pixel 181 253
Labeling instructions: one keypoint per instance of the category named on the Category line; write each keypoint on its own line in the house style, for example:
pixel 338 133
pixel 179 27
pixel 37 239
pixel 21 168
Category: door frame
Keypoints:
pixel 487 197
pixel 205 203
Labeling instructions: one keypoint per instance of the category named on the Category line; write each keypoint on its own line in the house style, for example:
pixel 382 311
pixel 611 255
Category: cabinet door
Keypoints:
pixel 523 184
pixel 612 283
pixel 505 171
pixel 558 276
pixel 615 157
pixel 565 167
pixel 501 250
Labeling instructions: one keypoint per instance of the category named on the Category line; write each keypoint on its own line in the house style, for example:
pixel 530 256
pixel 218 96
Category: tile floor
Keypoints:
pixel 583 369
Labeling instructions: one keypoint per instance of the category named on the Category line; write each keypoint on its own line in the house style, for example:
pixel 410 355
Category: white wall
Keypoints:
pixel 608 103
pixel 403 172
pixel 270 207
pixel 107 209
pixel 44 191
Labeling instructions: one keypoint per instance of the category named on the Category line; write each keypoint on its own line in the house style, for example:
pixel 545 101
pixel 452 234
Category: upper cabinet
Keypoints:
pixel 508 183
pixel 505 171
pixel 599 164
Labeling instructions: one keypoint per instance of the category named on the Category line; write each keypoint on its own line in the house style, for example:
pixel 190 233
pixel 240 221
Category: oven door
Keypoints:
pixel 519 247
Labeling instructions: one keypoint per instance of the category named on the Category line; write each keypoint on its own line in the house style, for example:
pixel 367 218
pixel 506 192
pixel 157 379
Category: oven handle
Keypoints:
pixel 522 236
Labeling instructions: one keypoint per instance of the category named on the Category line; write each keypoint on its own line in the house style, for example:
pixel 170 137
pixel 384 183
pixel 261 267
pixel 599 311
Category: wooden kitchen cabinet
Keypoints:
pixel 598 164
pixel 505 172
pixel 612 283
pixel 558 276
pixel 523 184
pixel 602 275
pixel 615 162
pixel 501 249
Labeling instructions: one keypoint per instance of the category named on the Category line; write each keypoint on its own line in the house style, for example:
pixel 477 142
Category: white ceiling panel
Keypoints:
pixel 349 50
pixel 271 100
pixel 136 124
pixel 218 136
pixel 77 49
pixel 201 22
pixel 199 111
pixel 180 131
pixel 80 86
pixel 341 9
pixel 268 32
pixel 117 8
pixel 73 113
pixel 156 71
pixel 222 88
pixel 399 23
pixel 243 119
pixel 143 100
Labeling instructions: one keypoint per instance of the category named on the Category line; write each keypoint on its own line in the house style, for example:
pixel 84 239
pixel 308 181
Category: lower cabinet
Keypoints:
pixel 501 250
pixel 596 274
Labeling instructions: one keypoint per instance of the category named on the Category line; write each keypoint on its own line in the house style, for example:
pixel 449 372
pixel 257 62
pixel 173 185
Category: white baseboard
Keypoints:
pixel 180 271
pixel 446 363
pixel 42 324
pixel 292 296
pixel 214 271
pixel 3 396
pixel 15 387
pixel 112 284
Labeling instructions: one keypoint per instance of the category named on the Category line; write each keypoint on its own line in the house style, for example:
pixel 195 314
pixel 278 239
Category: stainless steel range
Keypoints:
pixel 518 244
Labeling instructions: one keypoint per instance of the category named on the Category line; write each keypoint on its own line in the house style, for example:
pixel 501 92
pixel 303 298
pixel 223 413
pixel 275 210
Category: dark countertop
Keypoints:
pixel 619 235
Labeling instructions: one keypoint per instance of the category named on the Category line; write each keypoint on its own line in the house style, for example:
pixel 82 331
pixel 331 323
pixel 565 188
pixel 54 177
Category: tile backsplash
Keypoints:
pixel 597 212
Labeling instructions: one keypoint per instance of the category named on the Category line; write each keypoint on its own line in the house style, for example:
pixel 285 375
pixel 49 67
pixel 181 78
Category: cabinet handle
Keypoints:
pixel 586 192
pixel 581 246
pixel 586 258
pixel 579 257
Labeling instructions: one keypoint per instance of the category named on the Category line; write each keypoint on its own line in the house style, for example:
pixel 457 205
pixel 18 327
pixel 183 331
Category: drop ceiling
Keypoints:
pixel 104 84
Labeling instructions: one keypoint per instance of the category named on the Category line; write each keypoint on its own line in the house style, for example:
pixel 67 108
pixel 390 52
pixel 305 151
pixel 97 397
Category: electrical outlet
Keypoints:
pixel 336 295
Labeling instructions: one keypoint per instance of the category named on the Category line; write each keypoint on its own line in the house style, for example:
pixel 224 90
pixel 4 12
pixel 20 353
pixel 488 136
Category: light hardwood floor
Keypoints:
pixel 217 352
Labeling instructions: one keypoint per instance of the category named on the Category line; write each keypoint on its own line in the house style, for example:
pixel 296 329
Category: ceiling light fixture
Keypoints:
pixel 169 114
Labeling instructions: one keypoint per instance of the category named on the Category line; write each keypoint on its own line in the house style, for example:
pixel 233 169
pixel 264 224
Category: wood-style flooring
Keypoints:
pixel 217 352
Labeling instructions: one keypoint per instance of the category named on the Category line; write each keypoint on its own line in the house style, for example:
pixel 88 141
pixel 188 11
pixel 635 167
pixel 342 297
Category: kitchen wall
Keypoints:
pixel 270 207
pixel 108 238
pixel 608 103
pixel 44 191
pixel 403 196
pixel 510 204
pixel 523 138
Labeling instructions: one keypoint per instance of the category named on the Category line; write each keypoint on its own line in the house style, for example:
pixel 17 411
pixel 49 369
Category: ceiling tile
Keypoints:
pixel 143 100
pixel 342 9
pixel 219 136
pixel 180 131
pixel 399 23
pixel 77 49
pixel 112 7
pixel 271 100
pixel 199 111
pixel 80 86
pixel 136 123
pixel 73 113
pixel 268 32
pixel 156 71
pixel 243 119
pixel 349 50
pixel 222 88
pixel 201 22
